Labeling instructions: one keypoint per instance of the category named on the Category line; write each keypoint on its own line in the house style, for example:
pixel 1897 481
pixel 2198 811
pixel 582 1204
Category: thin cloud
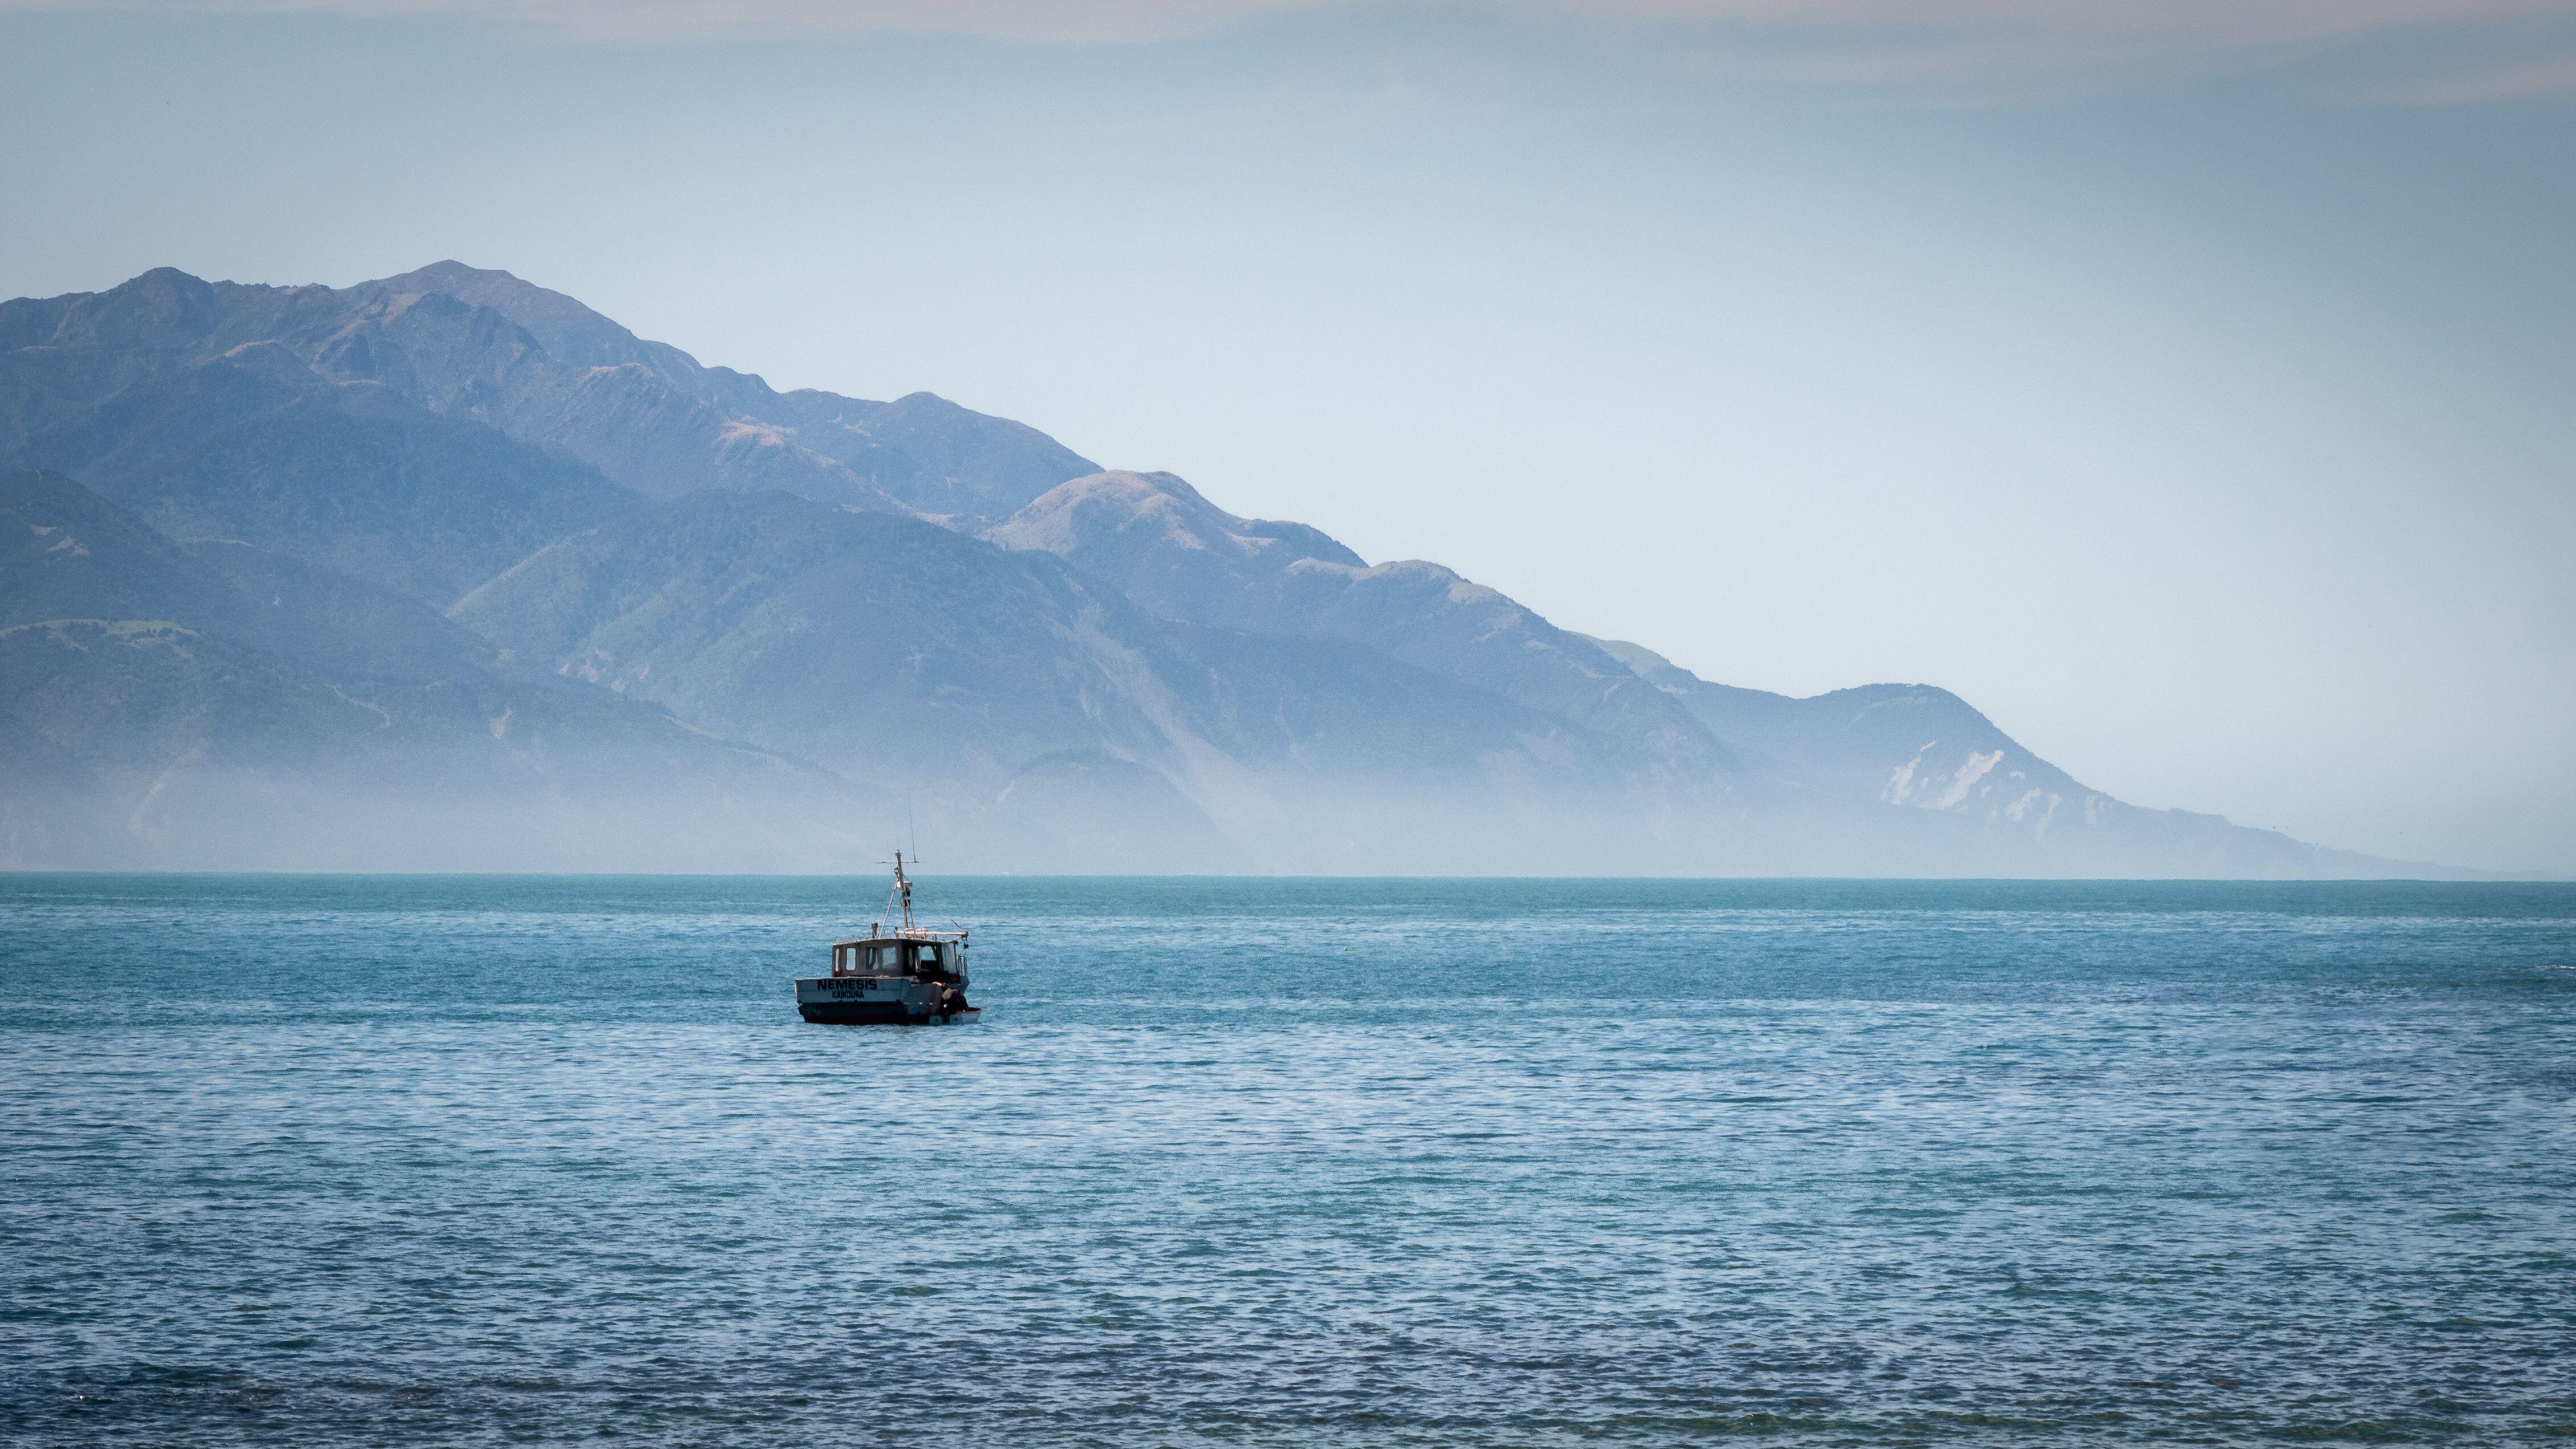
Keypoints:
pixel 2536 80
pixel 1068 22
pixel 2042 32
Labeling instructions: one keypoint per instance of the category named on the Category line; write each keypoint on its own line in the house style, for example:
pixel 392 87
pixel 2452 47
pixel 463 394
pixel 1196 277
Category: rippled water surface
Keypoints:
pixel 472 1160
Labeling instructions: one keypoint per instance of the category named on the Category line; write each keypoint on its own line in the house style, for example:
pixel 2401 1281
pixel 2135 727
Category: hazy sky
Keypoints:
pixel 2190 387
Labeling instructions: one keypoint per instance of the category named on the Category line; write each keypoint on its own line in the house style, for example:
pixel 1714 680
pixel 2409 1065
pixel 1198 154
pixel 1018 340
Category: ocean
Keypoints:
pixel 502 1160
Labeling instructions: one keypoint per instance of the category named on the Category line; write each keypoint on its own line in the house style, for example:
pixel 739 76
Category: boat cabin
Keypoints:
pixel 928 955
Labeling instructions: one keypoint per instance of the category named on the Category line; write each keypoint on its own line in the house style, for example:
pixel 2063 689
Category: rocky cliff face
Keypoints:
pixel 450 570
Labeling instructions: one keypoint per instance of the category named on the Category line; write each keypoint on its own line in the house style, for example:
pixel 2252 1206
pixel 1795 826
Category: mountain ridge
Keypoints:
pixel 462 549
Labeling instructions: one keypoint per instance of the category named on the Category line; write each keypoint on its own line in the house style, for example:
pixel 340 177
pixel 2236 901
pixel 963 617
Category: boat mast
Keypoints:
pixel 899 900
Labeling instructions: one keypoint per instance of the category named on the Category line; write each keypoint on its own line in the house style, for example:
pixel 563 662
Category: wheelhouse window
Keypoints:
pixel 928 958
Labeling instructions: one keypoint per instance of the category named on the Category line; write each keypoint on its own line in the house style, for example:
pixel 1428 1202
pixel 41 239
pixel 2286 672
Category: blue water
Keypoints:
pixel 473 1160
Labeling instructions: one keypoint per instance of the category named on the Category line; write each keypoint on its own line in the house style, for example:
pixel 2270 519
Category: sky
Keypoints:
pixel 2190 387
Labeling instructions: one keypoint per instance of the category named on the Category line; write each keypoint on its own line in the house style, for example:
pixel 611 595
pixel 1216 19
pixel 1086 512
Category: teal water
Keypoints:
pixel 501 1160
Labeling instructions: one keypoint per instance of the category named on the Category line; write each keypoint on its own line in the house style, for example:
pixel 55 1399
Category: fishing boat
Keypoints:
pixel 905 976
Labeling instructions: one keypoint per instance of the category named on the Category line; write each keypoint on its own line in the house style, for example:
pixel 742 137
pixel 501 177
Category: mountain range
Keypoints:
pixel 449 571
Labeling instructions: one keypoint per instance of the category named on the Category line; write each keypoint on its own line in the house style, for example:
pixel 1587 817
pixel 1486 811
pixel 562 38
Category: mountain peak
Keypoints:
pixel 452 270
pixel 163 279
pixel 1121 512
pixel 1646 662
pixel 565 328
pixel 161 303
